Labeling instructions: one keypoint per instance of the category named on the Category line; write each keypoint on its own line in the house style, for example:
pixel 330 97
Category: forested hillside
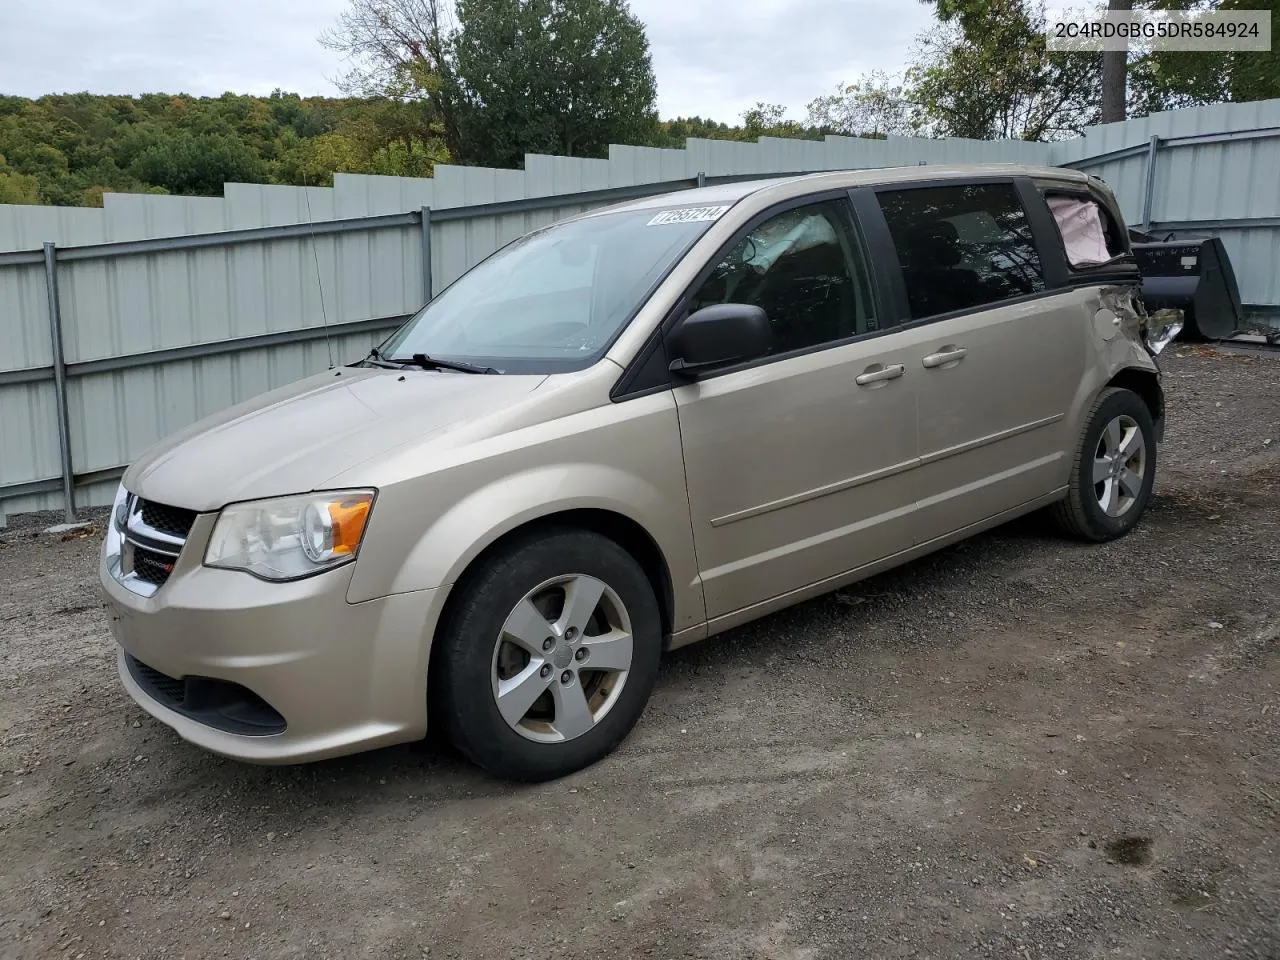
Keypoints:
pixel 70 149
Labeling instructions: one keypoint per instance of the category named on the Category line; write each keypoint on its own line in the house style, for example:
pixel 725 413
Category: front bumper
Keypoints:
pixel 342 677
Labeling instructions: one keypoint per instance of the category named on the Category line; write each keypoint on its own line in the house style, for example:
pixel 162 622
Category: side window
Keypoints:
pixel 1089 233
pixel 962 247
pixel 806 270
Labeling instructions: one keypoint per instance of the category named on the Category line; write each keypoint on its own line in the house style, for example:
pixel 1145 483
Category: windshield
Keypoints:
pixel 554 300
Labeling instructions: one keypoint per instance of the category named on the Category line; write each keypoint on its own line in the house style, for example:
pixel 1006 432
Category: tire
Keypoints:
pixel 490 651
pixel 1098 512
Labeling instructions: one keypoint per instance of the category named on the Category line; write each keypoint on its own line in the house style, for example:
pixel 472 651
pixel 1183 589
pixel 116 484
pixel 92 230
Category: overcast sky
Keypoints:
pixel 713 58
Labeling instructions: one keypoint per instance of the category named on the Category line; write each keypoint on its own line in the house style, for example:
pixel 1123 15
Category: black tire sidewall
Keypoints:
pixel 464 668
pixel 1119 403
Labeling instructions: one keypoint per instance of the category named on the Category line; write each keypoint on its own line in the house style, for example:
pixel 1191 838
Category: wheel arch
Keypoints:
pixel 626 532
pixel 1146 384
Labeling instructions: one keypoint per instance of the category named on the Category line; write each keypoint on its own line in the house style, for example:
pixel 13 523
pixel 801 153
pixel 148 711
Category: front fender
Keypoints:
pixel 430 524
pixel 482 518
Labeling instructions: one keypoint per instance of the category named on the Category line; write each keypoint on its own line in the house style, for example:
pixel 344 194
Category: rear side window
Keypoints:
pixel 962 247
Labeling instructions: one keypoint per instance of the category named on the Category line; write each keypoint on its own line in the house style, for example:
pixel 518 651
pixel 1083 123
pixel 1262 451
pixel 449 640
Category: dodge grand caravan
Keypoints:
pixel 625 433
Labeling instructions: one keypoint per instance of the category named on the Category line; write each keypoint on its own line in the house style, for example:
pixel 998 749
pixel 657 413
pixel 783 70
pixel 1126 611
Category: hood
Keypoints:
pixel 294 439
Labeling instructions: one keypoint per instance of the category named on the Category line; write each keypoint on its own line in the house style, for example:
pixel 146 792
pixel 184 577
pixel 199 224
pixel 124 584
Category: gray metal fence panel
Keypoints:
pixel 28 442
pixel 27 227
pixel 1218 181
pixel 136 217
pixel 24 309
pixel 124 411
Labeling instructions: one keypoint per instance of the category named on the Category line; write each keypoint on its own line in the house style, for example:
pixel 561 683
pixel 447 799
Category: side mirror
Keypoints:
pixel 717 336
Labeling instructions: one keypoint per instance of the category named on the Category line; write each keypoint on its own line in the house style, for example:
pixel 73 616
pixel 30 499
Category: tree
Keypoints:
pixel 770 120
pixel 499 78
pixel 675 133
pixel 200 164
pixel 1115 68
pixel 315 160
pixel 871 107
pixel 765 116
pixel 1168 80
pixel 566 77
pixel 401 50
pixel 985 72
pixel 17 187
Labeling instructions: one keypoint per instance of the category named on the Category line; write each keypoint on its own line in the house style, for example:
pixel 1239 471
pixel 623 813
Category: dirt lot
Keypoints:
pixel 1018 748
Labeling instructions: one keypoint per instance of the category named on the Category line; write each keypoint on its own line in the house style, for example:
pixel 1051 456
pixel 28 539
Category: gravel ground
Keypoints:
pixel 1020 747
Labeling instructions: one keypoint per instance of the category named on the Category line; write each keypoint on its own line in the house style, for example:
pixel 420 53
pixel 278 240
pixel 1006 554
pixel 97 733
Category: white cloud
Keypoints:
pixel 713 58
pixel 146 46
pixel 716 58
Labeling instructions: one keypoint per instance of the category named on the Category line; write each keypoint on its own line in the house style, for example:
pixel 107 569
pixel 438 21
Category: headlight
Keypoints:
pixel 120 508
pixel 113 540
pixel 290 537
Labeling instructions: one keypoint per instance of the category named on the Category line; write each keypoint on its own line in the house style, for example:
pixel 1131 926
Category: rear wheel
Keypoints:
pixel 1114 469
pixel 549 656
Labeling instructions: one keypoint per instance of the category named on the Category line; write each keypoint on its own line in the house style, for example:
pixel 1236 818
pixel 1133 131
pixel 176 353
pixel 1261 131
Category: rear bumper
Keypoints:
pixel 323 677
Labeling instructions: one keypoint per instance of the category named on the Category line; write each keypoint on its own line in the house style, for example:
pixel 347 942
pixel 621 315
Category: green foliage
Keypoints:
pixel 770 120
pixel 1157 81
pixel 199 163
pixel 18 187
pixel 762 120
pixel 401 52
pixel 875 106
pixel 498 78
pixel 986 73
pixel 70 150
pixel 674 133
pixel 77 147
pixel 406 158
pixel 1171 79
pixel 565 77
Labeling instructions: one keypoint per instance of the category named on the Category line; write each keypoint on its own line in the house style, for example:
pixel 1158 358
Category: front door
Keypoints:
pixel 799 464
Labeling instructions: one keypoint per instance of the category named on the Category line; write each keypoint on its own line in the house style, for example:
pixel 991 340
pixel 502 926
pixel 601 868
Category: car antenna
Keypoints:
pixel 324 314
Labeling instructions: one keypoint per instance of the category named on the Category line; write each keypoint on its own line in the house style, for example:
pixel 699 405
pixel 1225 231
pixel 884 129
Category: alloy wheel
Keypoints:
pixel 562 658
pixel 1119 466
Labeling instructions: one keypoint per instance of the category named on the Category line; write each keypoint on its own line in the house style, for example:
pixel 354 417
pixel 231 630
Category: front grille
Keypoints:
pixel 220 704
pixel 151 567
pixel 175 521
pixel 155 533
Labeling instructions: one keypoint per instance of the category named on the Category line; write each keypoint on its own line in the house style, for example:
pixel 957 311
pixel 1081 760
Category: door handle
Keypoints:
pixel 871 377
pixel 945 356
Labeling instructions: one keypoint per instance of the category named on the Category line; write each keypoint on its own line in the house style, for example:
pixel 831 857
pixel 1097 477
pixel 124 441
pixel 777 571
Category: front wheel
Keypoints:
pixel 549 656
pixel 1114 469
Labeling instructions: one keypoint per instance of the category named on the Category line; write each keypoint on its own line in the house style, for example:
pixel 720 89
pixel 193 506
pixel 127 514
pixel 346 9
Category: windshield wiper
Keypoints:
pixel 378 360
pixel 432 363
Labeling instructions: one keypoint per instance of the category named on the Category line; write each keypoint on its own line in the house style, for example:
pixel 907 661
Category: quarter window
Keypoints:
pixel 1089 234
pixel 962 247
pixel 806 270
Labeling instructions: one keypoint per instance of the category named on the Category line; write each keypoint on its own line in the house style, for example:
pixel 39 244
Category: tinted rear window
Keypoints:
pixel 962 247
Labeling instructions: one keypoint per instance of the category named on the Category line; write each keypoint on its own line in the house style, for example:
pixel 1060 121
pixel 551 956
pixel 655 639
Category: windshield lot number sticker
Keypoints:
pixel 688 215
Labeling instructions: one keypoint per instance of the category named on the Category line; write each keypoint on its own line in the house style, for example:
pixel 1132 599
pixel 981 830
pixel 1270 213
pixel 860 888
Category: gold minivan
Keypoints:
pixel 625 433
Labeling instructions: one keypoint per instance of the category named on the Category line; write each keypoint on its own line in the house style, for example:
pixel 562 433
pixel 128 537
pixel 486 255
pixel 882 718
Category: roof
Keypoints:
pixel 730 193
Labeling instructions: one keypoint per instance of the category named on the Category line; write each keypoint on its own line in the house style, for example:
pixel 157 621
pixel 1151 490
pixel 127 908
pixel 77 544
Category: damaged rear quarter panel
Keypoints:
pixel 1116 344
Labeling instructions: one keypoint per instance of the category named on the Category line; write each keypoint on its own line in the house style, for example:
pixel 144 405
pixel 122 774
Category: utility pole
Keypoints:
pixel 1115 68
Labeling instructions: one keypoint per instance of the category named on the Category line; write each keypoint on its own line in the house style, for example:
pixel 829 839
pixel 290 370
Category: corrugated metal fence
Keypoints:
pixel 124 324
